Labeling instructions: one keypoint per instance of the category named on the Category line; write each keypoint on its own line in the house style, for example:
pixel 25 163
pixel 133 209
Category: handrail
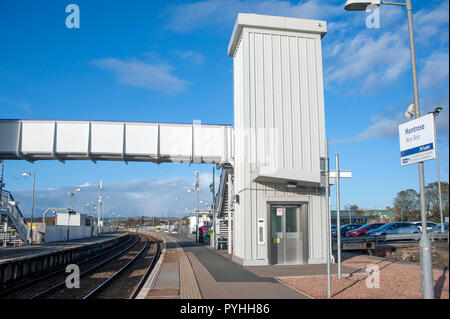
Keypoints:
pixel 221 191
pixel 15 215
pixel 392 237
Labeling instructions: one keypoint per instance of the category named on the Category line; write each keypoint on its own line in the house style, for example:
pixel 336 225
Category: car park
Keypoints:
pixel 430 225
pixel 394 228
pixel 361 231
pixel 345 229
pixel 437 228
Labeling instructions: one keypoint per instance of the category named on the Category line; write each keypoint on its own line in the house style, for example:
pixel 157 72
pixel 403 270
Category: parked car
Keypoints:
pixel 361 231
pixel 394 228
pixel 437 228
pixel 430 225
pixel 345 229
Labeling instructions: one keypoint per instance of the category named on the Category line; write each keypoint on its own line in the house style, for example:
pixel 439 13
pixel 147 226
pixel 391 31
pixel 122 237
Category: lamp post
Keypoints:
pixel 71 193
pixel 32 204
pixel 100 187
pixel 426 266
pixel 197 189
pixel 435 115
pixel 213 206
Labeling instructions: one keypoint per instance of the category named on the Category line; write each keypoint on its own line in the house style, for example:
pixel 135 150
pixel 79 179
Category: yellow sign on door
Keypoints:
pixel 276 240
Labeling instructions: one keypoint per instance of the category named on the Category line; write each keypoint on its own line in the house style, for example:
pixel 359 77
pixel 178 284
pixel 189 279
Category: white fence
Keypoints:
pixel 106 230
pixel 61 233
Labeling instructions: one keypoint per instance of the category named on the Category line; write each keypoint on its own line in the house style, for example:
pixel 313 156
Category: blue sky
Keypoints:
pixel 166 61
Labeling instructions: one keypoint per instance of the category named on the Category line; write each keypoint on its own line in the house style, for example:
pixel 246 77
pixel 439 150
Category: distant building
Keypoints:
pixel 367 216
pixel 350 217
pixel 72 219
pixel 203 220
pixel 381 215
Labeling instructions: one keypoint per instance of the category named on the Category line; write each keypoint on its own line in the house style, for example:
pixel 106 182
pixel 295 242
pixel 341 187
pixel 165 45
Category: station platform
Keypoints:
pixel 187 270
pixel 28 251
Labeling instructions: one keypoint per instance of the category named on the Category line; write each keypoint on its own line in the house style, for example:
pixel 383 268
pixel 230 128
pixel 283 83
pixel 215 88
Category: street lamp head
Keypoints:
pixel 359 5
pixel 26 174
pixel 438 110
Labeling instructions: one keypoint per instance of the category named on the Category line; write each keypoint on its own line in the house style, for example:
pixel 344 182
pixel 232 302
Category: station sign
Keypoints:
pixel 417 140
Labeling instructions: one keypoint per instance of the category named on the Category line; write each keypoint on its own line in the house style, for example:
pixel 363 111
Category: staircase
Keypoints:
pixel 16 225
pixel 221 202
pixel 10 236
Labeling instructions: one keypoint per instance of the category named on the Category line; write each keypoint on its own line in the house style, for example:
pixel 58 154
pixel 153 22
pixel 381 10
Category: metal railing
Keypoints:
pixel 219 198
pixel 370 242
pixel 12 210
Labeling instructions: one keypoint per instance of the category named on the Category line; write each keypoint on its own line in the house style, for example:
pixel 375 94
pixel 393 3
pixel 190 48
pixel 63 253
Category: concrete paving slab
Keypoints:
pixel 168 277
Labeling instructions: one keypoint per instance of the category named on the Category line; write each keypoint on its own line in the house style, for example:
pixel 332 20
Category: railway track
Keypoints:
pixel 118 274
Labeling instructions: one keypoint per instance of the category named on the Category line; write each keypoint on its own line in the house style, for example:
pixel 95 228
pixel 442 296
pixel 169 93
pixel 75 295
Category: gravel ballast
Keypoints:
pixel 396 281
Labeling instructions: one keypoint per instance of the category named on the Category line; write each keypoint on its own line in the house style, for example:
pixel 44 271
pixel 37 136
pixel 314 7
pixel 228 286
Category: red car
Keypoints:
pixel 361 231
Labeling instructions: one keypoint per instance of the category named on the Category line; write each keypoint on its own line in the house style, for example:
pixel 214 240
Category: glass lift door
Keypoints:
pixel 288 230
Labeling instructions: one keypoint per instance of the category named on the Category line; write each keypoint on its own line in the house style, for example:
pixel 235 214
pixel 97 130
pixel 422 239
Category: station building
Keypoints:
pixel 277 204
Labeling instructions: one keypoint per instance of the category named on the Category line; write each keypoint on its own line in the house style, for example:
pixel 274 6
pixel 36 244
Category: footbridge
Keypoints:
pixel 34 140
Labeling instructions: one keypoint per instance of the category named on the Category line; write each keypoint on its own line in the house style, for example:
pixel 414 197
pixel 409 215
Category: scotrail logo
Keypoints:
pixel 405 160
pixel 425 148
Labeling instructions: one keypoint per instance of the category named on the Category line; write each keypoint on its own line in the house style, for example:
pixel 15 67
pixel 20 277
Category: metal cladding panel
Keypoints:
pixel 9 136
pixel 106 138
pixel 141 139
pixel 279 104
pixel 72 137
pixel 37 143
pixel 175 140
pixel 205 141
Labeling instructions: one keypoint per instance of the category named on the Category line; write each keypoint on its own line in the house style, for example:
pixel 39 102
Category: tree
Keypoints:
pixel 407 203
pixel 432 200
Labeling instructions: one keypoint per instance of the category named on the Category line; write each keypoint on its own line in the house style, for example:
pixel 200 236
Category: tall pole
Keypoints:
pixel 196 215
pixel 214 207
pixel 338 217
pixel 426 266
pixel 99 204
pixel 327 195
pixel 438 174
pixel 32 210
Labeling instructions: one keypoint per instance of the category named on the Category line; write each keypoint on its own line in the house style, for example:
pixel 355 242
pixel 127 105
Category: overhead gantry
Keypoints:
pixel 34 140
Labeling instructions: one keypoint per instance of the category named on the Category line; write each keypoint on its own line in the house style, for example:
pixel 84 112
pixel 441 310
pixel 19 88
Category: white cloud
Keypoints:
pixel 25 106
pixel 87 184
pixel 156 77
pixel 375 60
pixel 191 16
pixel 149 197
pixel 432 23
pixel 380 127
pixel 435 71
pixel 385 125
pixel 190 56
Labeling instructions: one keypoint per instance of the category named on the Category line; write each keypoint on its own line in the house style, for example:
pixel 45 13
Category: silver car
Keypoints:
pixel 437 228
pixel 394 228
pixel 430 225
